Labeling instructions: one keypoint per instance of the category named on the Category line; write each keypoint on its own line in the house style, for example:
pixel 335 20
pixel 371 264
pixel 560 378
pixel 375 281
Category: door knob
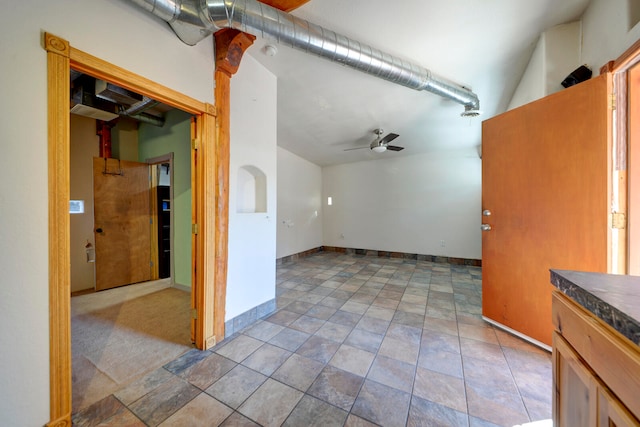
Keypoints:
pixel 98 230
pixel 485 227
pixel 486 212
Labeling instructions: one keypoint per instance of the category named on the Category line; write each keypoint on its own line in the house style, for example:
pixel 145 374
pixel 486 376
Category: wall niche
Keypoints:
pixel 252 190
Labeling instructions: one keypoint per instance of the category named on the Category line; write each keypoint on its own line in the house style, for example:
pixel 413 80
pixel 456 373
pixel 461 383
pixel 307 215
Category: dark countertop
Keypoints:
pixel 613 298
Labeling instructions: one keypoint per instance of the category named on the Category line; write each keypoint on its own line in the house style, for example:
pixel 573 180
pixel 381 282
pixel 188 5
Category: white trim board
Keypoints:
pixel 518 334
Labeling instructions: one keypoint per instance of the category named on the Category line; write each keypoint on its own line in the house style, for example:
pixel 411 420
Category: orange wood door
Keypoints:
pixel 122 222
pixel 545 179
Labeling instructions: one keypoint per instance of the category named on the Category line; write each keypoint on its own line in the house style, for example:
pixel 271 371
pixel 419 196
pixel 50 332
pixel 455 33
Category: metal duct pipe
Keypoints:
pixel 139 107
pixel 148 119
pixel 193 20
pixel 136 112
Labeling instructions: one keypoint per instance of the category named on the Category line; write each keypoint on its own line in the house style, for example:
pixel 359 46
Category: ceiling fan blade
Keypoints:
pixel 390 137
pixel 394 148
pixel 356 148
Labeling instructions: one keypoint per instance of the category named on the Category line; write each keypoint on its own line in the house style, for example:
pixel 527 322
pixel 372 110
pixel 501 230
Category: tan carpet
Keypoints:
pixel 122 334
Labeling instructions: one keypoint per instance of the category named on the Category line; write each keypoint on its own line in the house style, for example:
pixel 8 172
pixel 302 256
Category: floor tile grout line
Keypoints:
pixel 464 379
pixel 515 382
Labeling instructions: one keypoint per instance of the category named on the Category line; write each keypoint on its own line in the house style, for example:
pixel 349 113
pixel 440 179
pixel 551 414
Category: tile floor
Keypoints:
pixel 356 341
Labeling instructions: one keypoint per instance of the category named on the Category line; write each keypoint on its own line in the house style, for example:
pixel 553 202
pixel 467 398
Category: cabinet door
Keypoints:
pixel 575 401
pixel 611 412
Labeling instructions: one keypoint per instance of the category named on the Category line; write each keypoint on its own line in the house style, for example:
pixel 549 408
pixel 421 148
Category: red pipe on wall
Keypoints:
pixel 103 130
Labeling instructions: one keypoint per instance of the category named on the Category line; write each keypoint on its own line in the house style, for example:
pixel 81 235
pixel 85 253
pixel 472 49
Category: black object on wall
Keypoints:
pixel 578 75
pixel 164 232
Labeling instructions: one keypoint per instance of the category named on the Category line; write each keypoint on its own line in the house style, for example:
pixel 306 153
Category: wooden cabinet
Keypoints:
pixel 611 412
pixel 596 371
pixel 575 387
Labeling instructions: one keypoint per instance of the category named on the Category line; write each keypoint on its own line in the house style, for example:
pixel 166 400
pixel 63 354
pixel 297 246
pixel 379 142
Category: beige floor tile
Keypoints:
pixel 394 341
pixel 236 386
pixel 352 360
pixel 271 403
pixel 440 388
pixel 203 411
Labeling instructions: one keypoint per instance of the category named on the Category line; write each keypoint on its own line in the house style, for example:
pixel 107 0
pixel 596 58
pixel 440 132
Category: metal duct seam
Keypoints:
pixel 168 10
pixel 198 19
pixel 136 112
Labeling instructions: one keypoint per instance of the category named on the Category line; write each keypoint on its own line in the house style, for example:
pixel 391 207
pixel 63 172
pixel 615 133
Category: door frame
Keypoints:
pixel 627 138
pixel 61 57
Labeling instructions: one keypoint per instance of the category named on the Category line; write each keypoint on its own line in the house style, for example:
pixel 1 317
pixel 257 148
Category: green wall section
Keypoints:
pixel 174 137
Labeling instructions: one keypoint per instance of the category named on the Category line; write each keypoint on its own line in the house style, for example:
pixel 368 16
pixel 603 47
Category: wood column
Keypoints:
pixel 230 45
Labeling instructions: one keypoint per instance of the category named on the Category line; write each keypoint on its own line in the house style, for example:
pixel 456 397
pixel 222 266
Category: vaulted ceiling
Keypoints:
pixel 325 108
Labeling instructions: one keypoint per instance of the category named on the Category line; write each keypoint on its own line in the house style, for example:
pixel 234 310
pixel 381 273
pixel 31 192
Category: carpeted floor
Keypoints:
pixel 119 335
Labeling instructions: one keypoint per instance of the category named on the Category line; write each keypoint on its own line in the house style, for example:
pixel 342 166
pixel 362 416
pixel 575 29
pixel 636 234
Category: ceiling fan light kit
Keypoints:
pixel 380 145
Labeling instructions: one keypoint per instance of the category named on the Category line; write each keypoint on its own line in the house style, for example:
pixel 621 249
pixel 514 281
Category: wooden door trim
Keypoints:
pixel 96 67
pixel 624 70
pixel 60 58
pixel 59 234
pixel 628 59
pixel 205 160
pixel 632 108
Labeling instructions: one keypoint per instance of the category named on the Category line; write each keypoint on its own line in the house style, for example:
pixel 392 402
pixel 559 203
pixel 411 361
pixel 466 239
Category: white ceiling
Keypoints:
pixel 324 108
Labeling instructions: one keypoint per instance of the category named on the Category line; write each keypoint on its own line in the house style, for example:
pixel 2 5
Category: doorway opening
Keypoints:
pixel 61 58
pixel 139 302
pixel 162 216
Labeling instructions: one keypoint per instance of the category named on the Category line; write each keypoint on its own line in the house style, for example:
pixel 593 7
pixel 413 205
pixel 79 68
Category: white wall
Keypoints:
pixel 557 53
pixel 563 54
pixel 299 204
pixel 252 236
pixel 606 31
pixel 85 145
pixel 532 83
pixel 406 204
pixel 104 28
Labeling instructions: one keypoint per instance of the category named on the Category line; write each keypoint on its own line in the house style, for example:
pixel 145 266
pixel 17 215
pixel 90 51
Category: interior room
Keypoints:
pixel 148 187
pixel 374 246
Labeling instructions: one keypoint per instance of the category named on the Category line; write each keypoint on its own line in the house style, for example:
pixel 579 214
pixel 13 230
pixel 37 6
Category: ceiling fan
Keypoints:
pixel 380 145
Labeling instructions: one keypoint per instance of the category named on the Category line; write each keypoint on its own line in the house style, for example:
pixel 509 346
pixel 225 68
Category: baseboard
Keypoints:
pixel 182 287
pixel 295 257
pixel 381 254
pixel 518 334
pixel 249 317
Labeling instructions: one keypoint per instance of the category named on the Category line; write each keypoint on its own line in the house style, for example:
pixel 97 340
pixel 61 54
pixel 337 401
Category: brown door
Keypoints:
pixel 122 222
pixel 545 181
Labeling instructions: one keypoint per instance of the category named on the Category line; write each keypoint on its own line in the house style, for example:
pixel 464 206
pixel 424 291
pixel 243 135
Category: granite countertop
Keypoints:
pixel 613 298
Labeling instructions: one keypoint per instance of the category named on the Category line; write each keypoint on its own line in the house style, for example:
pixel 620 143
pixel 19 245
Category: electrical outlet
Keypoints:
pixel 442 243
